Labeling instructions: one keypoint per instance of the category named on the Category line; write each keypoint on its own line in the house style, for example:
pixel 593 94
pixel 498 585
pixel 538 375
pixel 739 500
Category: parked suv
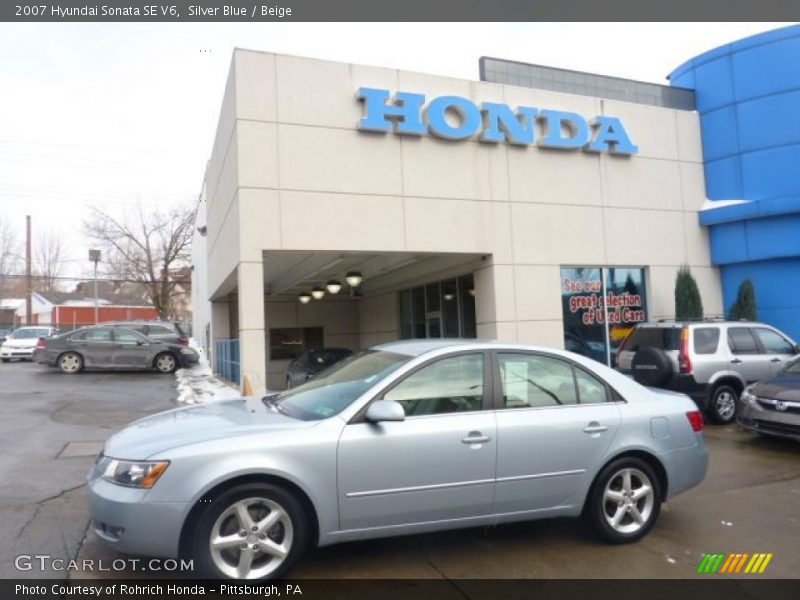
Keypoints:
pixel 711 361
pixel 159 331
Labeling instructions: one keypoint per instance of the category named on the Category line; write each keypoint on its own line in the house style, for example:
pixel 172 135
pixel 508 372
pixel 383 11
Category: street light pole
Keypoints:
pixel 94 256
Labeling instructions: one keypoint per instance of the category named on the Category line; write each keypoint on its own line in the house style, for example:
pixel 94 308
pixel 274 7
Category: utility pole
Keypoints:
pixel 94 256
pixel 28 278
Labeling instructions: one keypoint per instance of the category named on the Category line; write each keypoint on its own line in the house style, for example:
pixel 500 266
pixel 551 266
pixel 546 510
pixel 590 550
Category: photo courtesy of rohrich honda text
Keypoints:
pixel 291 306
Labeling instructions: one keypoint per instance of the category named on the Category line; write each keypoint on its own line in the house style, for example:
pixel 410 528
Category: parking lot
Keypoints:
pixel 51 426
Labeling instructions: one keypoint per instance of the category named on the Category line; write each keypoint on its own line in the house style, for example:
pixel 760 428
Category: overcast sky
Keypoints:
pixel 111 114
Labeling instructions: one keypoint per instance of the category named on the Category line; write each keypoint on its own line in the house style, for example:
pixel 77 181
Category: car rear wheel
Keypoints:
pixel 166 363
pixel 625 501
pixel 722 408
pixel 70 362
pixel 252 531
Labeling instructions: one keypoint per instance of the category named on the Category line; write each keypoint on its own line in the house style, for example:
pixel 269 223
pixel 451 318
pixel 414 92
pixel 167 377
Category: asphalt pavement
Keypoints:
pixel 749 502
pixel 52 426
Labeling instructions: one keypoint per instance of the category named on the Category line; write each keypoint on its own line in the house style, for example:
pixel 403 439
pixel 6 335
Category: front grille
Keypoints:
pixel 784 428
pixel 772 404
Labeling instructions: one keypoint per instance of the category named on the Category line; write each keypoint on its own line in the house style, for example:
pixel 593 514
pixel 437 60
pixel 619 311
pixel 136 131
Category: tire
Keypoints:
pixel 610 501
pixel 722 404
pixel 651 367
pixel 70 363
pixel 166 363
pixel 287 536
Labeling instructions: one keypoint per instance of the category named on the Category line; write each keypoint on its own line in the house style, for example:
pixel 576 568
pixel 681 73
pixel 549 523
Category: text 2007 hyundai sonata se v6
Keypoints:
pixel 404 438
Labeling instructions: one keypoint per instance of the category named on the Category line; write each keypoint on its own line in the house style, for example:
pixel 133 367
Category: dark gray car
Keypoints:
pixel 772 407
pixel 161 331
pixel 111 348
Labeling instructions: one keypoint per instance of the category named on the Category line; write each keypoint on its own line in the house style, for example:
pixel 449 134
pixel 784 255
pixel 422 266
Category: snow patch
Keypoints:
pixel 198 384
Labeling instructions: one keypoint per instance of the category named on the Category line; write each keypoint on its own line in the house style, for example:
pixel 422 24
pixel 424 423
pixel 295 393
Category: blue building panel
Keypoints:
pixel 748 98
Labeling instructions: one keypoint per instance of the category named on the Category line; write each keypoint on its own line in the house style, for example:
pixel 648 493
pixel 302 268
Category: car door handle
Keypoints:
pixel 475 437
pixel 736 361
pixel 776 359
pixel 594 427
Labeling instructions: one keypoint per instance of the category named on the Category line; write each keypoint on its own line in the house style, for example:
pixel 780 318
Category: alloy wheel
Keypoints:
pixel 251 538
pixel 628 500
pixel 725 405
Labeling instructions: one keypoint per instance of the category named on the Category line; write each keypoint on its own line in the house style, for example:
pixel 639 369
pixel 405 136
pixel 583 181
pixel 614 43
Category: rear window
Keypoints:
pixel 160 330
pixel 663 338
pixel 706 340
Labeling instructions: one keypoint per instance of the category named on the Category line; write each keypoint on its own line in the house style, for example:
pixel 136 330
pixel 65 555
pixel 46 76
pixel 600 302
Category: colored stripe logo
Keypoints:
pixel 737 562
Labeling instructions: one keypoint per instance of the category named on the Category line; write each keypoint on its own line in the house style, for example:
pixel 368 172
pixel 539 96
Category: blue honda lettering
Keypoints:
pixel 557 122
pixel 502 124
pixel 611 137
pixel 380 114
pixel 468 115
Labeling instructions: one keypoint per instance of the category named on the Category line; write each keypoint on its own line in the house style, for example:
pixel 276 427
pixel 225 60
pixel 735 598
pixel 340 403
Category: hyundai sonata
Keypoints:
pixel 403 438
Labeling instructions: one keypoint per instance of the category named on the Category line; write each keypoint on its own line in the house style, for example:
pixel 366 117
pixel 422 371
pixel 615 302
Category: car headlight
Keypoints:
pixel 139 474
pixel 748 396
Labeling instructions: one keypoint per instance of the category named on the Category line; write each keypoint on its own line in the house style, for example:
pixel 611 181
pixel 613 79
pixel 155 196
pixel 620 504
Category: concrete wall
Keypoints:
pixel 297 174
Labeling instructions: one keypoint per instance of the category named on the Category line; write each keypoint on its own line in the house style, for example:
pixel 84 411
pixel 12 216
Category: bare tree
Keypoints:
pixel 48 257
pixel 147 247
pixel 9 252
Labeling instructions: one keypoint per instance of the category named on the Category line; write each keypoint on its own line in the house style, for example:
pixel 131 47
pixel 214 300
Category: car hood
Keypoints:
pixel 198 423
pixel 784 386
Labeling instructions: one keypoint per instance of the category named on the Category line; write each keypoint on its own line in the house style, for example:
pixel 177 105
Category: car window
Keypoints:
pixel 97 335
pixel 120 335
pixel 159 330
pixel 453 384
pixel 531 380
pixel 590 389
pixel 30 332
pixel 741 341
pixel 773 342
pixel 663 338
pixel 706 340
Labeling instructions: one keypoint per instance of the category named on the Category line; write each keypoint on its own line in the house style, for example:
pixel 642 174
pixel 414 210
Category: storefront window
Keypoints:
pixel 290 342
pixel 595 328
pixel 441 309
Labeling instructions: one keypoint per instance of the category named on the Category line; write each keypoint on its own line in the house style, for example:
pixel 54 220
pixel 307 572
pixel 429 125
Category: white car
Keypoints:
pixel 22 342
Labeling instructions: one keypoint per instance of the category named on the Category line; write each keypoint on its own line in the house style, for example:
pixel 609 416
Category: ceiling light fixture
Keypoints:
pixel 304 298
pixel 334 287
pixel 354 278
pixel 317 293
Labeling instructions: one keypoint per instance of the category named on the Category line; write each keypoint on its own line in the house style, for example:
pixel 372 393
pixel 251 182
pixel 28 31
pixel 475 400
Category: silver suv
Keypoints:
pixel 711 361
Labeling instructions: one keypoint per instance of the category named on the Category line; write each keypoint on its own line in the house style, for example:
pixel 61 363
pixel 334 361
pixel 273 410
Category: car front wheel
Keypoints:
pixel 166 363
pixel 722 408
pixel 70 362
pixel 252 531
pixel 625 501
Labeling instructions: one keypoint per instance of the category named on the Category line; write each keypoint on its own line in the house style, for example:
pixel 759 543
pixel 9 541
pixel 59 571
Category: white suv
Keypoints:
pixel 711 361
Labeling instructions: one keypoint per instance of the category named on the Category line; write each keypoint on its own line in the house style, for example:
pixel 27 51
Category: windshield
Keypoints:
pixel 336 388
pixel 28 332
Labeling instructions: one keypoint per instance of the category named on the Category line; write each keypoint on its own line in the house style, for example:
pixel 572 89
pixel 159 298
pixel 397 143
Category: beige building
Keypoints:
pixel 450 236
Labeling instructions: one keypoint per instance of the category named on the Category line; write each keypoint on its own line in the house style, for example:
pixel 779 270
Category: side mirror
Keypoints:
pixel 141 343
pixel 385 410
pixel 797 349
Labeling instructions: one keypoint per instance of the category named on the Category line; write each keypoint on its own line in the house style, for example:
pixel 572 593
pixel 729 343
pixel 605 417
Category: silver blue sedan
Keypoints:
pixel 404 438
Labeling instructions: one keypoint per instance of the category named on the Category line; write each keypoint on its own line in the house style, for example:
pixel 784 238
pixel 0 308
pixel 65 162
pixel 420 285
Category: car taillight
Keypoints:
pixel 183 341
pixel 696 420
pixel 42 343
pixel 622 346
pixel 684 362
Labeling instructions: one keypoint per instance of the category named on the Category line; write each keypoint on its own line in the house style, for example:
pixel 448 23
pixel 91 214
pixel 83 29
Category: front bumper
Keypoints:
pixel 6 352
pixel 124 519
pixel 754 417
